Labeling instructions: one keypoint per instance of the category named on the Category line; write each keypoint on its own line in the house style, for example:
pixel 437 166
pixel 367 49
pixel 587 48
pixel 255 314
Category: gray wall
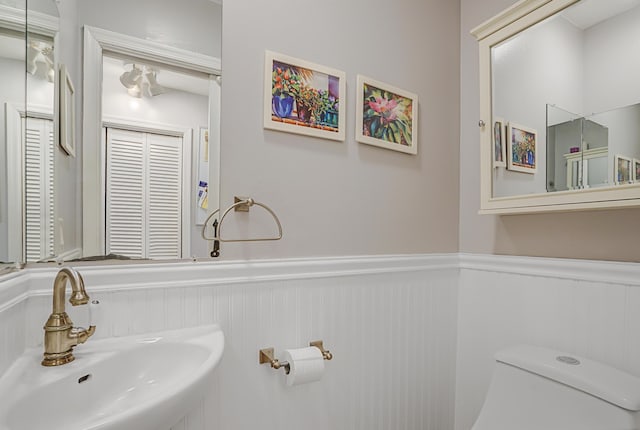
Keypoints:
pixel 606 235
pixel 196 28
pixel 343 198
pixel 610 73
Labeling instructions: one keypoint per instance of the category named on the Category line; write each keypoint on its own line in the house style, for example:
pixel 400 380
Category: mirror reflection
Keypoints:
pixel 150 174
pixel 156 145
pixel 154 154
pixel 600 150
pixel 12 100
pixel 39 150
pixel 565 99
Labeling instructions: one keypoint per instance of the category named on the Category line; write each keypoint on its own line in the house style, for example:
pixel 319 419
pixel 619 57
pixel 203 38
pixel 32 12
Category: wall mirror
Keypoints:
pixel 141 96
pixel 27 194
pixel 560 106
pixel 12 99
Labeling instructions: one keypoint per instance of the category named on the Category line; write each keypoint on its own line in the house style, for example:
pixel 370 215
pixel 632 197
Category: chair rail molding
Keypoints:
pixel 609 272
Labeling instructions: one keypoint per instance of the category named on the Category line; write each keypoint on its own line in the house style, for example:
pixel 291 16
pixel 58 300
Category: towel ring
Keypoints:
pixel 204 227
pixel 241 205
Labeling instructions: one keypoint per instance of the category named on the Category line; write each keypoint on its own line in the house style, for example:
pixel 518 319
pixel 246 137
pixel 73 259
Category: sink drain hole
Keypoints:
pixel 84 378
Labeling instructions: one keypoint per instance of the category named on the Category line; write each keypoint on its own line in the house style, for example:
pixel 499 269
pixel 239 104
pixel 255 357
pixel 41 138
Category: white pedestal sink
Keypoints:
pixel 137 382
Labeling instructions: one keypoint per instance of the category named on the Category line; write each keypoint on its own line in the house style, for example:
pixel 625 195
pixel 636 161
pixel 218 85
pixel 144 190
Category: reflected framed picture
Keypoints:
pixel 67 112
pixel 622 169
pixel 636 170
pixel 202 199
pixel 523 144
pixel 386 116
pixel 499 142
pixel 304 98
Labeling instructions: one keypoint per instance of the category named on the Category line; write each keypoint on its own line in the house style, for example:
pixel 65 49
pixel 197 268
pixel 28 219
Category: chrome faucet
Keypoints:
pixel 60 337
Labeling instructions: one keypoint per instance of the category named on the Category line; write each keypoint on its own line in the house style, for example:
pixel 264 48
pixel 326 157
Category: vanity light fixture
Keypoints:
pixel 135 91
pixel 131 78
pixel 141 78
pixel 40 57
pixel 152 87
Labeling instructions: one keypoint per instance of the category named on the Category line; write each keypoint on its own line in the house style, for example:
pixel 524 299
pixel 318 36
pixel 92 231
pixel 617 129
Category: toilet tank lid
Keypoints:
pixel 597 379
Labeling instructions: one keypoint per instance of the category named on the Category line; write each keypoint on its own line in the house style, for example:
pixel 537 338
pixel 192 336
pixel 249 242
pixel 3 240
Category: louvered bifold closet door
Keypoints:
pixel 125 193
pixel 144 194
pixel 39 186
pixel 164 220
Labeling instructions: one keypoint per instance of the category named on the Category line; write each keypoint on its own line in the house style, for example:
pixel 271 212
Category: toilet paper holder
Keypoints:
pixel 267 356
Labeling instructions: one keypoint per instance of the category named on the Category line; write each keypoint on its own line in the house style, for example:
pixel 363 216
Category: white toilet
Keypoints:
pixel 540 389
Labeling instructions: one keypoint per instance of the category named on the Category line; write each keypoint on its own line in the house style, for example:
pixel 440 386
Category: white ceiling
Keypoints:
pixel 588 13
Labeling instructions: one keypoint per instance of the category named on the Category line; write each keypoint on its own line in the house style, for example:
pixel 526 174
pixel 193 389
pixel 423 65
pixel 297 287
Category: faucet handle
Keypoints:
pixel 95 313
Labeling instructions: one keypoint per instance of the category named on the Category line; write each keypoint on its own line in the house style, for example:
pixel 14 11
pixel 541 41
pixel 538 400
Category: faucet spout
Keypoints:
pixel 78 294
pixel 60 337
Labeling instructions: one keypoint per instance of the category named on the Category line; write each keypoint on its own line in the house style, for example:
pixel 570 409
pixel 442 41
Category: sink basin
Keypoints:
pixel 137 382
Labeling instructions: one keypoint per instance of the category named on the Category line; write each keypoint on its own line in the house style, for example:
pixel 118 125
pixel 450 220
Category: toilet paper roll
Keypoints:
pixel 305 365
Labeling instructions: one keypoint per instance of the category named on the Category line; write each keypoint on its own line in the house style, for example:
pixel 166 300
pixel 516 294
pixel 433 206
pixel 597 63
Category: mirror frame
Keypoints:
pixel 503 26
pixel 96 42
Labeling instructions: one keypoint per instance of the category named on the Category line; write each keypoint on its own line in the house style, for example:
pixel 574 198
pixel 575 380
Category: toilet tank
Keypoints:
pixel 536 388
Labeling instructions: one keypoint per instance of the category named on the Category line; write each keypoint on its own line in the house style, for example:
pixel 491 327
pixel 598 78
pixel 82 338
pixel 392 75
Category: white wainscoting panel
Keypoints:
pixel 587 308
pixel 390 322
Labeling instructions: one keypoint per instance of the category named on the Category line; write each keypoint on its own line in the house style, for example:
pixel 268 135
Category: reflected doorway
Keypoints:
pixel 154 145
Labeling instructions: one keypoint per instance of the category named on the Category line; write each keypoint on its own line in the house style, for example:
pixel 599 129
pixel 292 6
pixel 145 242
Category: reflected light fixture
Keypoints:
pixel 40 57
pixel 134 91
pixel 131 78
pixel 153 88
pixel 141 78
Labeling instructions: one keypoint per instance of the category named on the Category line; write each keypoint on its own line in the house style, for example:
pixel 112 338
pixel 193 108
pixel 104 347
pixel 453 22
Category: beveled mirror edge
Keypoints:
pixel 506 24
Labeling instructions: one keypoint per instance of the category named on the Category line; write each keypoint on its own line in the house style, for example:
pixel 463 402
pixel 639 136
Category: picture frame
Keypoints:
pixel 499 140
pixel 622 169
pixel 67 120
pixel 303 97
pixel 522 155
pixel 636 170
pixel 386 116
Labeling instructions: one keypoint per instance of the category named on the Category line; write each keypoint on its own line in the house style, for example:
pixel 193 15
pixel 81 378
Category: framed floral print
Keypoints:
pixel 303 97
pixel 386 116
pixel 523 144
